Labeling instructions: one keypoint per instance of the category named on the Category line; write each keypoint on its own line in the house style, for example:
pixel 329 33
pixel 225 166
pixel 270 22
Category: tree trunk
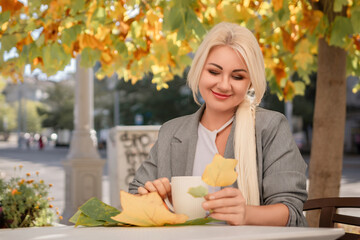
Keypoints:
pixel 329 123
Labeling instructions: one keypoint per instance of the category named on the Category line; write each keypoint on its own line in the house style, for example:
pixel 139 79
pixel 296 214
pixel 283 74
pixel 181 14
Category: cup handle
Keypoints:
pixel 169 205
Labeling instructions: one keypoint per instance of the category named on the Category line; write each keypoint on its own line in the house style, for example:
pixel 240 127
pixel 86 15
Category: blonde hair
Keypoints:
pixel 243 42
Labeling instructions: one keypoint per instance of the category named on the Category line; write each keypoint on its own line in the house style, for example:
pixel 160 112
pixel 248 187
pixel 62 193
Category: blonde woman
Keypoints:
pixel 228 72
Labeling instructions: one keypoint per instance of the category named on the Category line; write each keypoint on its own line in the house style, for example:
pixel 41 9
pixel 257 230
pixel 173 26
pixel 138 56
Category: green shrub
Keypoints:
pixel 24 202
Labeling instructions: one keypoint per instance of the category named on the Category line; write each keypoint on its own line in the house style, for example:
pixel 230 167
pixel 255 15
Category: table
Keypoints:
pixel 208 232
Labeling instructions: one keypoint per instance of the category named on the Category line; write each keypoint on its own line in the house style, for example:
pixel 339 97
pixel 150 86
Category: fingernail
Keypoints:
pixel 211 197
pixel 205 205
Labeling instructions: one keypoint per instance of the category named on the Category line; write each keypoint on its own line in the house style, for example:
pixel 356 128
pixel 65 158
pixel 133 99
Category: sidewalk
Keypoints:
pixel 48 163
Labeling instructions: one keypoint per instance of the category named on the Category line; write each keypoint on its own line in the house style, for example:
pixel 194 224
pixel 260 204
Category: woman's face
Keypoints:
pixel 224 80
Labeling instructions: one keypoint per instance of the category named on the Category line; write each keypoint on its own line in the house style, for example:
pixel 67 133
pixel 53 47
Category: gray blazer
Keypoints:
pixel 281 168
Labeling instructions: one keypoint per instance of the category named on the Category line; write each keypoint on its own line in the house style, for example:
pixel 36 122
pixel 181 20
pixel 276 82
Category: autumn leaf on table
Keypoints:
pixel 146 210
pixel 220 172
pixel 95 213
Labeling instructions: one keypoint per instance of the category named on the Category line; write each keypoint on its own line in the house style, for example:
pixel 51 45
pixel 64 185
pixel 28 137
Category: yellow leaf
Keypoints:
pixel 151 17
pixel 220 172
pixel 146 210
pixel 279 71
pixel 288 42
pixel 311 19
pixel 278 4
pixel 87 40
pixel 303 56
pixel 11 5
pixel 102 33
pixel 289 91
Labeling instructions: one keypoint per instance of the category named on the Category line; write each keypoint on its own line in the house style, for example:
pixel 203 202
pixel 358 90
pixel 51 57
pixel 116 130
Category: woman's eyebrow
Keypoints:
pixel 240 70
pixel 216 65
pixel 235 70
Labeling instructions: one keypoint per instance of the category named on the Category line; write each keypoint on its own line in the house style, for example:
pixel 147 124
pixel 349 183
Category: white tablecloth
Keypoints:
pixel 208 232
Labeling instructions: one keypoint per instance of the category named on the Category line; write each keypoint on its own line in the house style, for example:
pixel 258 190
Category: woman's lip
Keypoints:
pixel 219 95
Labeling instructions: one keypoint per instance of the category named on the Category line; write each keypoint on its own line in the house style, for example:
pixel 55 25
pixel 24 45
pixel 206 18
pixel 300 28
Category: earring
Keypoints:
pixel 251 95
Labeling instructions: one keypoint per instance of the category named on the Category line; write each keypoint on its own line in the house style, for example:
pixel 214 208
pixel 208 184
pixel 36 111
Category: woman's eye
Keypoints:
pixel 238 77
pixel 213 72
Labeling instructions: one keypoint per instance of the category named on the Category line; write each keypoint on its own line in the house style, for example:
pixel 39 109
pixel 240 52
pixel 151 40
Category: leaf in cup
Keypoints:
pixel 220 172
pixel 198 192
pixel 146 210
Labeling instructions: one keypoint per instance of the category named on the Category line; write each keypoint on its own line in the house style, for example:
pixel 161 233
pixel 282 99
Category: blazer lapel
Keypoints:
pixel 229 148
pixel 183 145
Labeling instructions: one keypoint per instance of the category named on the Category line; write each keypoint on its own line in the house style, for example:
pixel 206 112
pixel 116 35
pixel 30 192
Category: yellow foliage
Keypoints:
pixel 11 5
pixel 310 19
pixel 279 71
pixel 220 172
pixel 102 33
pixel 87 40
pixel 25 41
pixel 289 90
pixel 302 56
pixel 278 4
pixel 288 42
pixel 146 210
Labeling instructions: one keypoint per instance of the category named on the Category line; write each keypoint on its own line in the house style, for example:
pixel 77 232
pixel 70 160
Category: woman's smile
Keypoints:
pixel 220 96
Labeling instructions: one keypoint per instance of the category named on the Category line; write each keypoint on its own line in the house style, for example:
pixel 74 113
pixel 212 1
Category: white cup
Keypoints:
pixel 183 202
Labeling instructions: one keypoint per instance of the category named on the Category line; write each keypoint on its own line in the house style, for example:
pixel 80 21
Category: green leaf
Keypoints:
pixel 75 217
pixel 185 60
pixel 69 35
pixel 121 48
pixel 198 192
pixel 338 4
pixel 8 42
pixel 283 14
pixel 193 21
pixel 89 57
pixel 341 29
pixel 4 17
pixel 34 51
pixel 76 6
pixel 173 19
pixel 84 220
pixel 40 41
pixel 173 48
pixel 96 209
pixel 197 221
pixel 181 35
pixel 99 15
pixel 299 88
pixel 355 19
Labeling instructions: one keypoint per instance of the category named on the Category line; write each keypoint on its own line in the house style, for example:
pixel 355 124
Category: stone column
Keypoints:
pixel 83 165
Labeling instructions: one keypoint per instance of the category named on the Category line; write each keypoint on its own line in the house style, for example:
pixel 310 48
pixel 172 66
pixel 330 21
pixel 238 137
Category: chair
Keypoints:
pixel 328 215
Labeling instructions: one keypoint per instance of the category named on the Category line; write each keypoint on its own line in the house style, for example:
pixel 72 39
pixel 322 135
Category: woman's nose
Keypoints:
pixel 224 83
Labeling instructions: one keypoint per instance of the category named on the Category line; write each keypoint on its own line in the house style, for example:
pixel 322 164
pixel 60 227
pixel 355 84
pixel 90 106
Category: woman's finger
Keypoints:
pixel 142 191
pixel 224 193
pixel 228 210
pixel 150 187
pixel 160 188
pixel 167 186
pixel 223 202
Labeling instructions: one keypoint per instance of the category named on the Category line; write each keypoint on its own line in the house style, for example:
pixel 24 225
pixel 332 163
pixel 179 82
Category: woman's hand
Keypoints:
pixel 161 186
pixel 228 205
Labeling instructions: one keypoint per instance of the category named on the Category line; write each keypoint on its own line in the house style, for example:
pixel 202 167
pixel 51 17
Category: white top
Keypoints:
pixel 206 147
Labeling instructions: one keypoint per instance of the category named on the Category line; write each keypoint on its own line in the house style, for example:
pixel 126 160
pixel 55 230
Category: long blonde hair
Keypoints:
pixel 243 42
